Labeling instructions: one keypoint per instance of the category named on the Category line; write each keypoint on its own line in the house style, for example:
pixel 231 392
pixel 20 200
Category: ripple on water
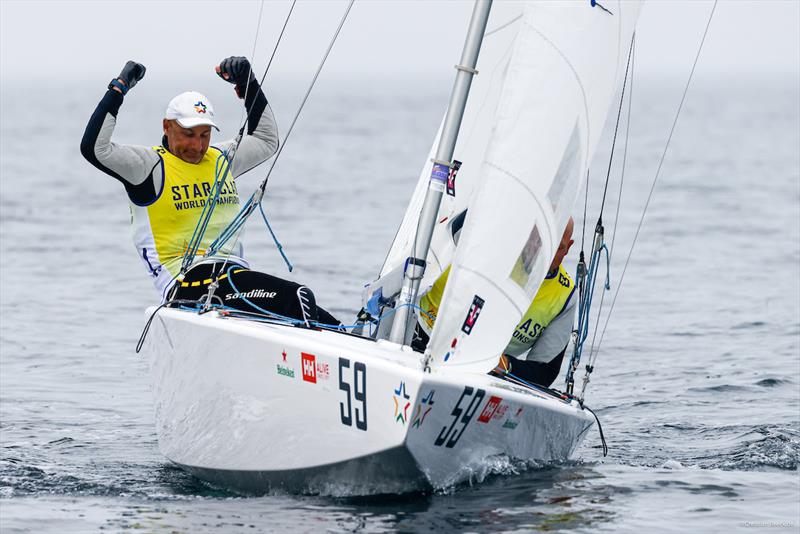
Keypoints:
pixel 720 388
pixel 125 480
pixel 747 448
pixel 748 325
pixel 769 447
pixel 772 382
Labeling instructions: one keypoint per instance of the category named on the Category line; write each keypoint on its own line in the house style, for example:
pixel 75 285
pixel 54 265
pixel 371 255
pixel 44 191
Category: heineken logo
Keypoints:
pixel 285 371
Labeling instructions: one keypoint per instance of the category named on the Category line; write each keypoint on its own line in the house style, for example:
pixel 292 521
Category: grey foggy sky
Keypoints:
pixel 412 40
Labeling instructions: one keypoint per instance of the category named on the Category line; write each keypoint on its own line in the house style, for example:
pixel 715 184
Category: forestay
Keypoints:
pixel 563 67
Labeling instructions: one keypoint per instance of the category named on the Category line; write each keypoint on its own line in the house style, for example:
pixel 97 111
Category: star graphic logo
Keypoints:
pixel 419 415
pixel 200 107
pixel 401 403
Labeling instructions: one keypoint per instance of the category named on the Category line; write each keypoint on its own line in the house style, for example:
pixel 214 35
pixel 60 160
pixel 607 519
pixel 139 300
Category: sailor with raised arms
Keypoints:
pixel 169 185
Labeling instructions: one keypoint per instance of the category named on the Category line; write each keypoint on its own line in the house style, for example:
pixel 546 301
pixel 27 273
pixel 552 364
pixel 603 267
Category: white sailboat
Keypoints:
pixel 316 410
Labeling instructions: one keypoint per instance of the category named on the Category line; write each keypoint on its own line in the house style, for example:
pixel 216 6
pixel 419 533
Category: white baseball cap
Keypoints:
pixel 191 109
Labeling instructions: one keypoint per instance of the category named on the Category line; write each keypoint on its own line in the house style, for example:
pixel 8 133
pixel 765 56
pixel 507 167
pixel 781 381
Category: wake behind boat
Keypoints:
pixel 256 401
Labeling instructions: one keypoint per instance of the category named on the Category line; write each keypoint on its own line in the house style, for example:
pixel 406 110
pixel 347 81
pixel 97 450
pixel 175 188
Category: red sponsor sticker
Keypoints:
pixel 489 409
pixel 472 315
pixel 309 367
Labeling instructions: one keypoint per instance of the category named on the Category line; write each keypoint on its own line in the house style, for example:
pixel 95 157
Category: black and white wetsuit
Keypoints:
pixel 142 170
pixel 138 168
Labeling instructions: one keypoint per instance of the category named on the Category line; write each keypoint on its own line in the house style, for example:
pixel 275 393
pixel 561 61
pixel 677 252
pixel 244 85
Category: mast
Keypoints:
pixel 415 264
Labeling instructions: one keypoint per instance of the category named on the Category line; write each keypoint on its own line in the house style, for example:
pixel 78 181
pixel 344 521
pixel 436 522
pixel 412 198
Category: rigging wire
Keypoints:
pixel 588 279
pixel 229 155
pixel 221 171
pixel 619 198
pixel 585 205
pixel 280 37
pixel 271 57
pixel 258 194
pixel 624 156
pixel 308 93
pixel 252 60
pixel 593 357
pixel 616 125
pixel 241 132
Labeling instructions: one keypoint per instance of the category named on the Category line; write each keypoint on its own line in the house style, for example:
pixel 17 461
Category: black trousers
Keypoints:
pixel 542 374
pixel 252 291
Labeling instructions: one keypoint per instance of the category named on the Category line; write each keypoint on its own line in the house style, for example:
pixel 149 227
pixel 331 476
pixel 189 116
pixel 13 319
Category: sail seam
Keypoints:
pixel 529 191
pixel 492 282
pixel 577 79
pixel 506 25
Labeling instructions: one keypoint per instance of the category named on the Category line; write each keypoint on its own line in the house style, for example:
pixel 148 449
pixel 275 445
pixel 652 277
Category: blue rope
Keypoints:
pixel 233 227
pixel 587 303
pixel 275 316
pixel 585 306
pixel 251 303
pixel 274 238
pixel 221 172
pixel 297 321
pixel 236 224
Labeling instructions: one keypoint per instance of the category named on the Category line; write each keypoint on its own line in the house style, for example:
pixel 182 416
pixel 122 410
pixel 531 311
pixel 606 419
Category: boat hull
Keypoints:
pixel 255 407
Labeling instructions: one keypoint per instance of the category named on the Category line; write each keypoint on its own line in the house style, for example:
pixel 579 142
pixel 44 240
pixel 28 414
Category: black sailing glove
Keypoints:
pixel 131 73
pixel 237 70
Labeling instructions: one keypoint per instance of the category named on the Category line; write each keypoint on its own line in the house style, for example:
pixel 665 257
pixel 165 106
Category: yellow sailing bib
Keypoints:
pixel 163 229
pixel 430 301
pixel 549 301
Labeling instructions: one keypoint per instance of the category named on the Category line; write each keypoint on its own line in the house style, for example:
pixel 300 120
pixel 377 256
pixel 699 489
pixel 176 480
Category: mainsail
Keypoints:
pixel 535 139
pixel 476 126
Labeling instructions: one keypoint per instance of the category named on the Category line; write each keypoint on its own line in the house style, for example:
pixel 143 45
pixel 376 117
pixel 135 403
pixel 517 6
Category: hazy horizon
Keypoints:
pixel 381 40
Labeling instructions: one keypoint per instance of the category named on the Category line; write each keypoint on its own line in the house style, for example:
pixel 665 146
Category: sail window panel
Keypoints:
pixel 528 261
pixel 565 182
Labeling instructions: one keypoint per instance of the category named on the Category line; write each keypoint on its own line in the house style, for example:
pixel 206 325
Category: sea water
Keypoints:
pixel 697 379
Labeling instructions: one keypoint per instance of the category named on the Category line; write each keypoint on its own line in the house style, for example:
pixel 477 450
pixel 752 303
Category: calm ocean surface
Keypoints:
pixel 697 383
